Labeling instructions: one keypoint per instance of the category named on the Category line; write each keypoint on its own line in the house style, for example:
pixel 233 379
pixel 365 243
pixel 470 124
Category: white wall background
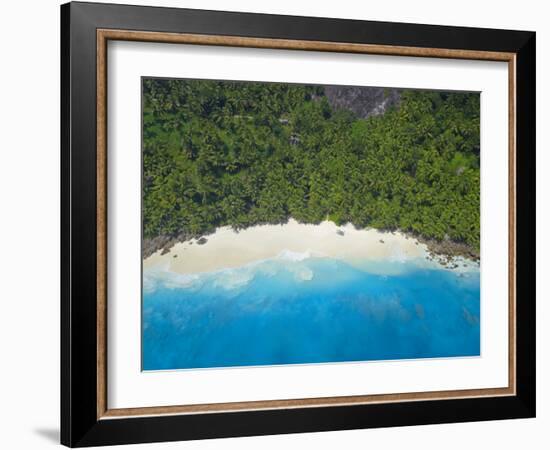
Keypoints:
pixel 29 224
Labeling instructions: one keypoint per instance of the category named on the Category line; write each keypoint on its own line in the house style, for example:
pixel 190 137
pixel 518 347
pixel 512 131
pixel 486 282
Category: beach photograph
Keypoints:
pixel 306 224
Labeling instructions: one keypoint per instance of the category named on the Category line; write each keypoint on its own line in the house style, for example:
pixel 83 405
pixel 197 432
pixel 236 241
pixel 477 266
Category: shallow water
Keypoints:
pixel 308 310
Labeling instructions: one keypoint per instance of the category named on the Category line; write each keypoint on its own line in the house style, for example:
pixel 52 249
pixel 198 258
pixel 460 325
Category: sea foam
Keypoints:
pixel 289 255
pixel 301 266
pixel 294 263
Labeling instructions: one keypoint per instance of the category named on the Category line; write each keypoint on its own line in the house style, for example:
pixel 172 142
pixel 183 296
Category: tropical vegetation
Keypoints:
pixel 221 153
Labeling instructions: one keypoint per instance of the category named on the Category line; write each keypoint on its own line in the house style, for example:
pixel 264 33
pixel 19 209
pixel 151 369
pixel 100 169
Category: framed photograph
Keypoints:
pixel 276 224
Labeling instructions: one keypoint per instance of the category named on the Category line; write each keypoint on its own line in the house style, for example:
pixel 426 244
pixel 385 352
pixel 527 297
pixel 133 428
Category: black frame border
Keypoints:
pixel 79 424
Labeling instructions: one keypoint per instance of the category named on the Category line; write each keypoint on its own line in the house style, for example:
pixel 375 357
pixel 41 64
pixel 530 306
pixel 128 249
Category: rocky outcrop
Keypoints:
pixel 363 101
pixel 162 242
pixel 445 251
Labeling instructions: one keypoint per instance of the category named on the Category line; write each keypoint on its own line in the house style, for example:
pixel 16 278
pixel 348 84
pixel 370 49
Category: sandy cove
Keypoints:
pixel 227 248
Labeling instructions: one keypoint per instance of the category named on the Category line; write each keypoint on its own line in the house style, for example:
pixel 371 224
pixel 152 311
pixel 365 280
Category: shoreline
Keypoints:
pixel 292 240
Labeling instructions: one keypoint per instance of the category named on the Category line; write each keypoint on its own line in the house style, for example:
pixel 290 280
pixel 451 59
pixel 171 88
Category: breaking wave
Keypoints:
pixel 298 266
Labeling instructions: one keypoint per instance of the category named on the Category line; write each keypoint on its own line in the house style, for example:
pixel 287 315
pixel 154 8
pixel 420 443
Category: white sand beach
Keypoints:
pixel 227 248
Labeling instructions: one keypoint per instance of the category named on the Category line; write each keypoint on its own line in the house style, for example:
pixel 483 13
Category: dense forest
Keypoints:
pixel 241 153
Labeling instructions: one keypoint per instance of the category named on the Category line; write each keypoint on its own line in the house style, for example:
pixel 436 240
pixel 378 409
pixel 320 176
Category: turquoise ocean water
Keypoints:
pixel 308 310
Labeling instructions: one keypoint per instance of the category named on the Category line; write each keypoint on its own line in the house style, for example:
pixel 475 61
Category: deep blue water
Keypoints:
pixel 313 311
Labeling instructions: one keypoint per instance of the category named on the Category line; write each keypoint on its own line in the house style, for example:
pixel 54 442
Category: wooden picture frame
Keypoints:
pixel 86 418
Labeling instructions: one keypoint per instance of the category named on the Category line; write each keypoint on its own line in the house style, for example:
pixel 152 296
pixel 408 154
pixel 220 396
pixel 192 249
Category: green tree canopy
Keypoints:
pixel 221 153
